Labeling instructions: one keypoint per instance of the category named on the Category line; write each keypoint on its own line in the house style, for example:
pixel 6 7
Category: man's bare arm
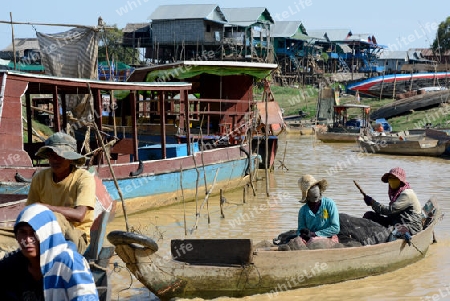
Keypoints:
pixel 76 214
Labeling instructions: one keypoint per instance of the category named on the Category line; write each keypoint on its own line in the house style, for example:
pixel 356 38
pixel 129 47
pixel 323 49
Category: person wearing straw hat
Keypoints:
pixel 65 189
pixel 319 217
pixel 404 208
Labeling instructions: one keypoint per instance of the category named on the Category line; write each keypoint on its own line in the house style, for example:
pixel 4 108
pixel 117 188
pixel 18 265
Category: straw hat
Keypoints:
pixel 397 172
pixel 306 182
pixel 64 146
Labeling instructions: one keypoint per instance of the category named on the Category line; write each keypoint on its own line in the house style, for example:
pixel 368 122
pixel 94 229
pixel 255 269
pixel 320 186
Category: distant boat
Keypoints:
pixel 422 146
pixel 344 129
pixel 406 105
pixel 387 86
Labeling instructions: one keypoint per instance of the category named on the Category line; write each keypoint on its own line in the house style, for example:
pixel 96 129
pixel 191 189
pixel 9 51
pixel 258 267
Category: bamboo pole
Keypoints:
pixel 266 127
pixel 182 197
pixel 222 201
pixel 206 199
pixel 12 37
pixel 50 24
pixel 119 191
pixel 250 161
pixel 381 90
pixel 395 79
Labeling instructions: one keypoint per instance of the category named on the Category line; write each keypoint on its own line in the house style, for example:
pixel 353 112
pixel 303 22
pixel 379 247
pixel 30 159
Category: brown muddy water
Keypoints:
pixel 340 164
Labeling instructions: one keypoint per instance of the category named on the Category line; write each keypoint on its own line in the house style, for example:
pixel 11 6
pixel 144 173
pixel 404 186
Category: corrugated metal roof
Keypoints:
pixel 333 34
pixel 416 55
pixel 285 29
pixel 137 27
pixel 246 16
pixel 23 44
pixel 428 52
pixel 210 12
pixel 393 55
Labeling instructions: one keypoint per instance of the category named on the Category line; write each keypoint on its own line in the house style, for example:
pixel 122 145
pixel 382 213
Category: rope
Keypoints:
pixel 415 247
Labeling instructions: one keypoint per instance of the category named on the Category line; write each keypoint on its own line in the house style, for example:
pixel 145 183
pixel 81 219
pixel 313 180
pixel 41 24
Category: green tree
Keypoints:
pixel 442 41
pixel 110 46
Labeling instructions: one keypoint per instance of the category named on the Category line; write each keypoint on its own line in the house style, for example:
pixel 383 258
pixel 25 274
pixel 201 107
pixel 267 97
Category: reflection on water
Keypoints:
pixel 263 218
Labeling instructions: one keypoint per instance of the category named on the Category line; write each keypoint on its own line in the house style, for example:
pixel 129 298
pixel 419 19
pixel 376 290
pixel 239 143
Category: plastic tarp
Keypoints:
pixel 72 53
pixel 275 115
pixel 183 72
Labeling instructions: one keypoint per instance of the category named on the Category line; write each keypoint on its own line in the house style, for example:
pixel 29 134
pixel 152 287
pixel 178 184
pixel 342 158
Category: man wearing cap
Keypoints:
pixel 404 207
pixel 65 189
pixel 319 217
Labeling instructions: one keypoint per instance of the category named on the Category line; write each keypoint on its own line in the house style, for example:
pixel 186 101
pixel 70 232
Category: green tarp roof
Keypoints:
pixel 184 72
pixel 25 67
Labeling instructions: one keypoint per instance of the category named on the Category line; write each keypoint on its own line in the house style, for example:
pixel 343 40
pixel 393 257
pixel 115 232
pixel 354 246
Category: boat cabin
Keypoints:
pixel 351 116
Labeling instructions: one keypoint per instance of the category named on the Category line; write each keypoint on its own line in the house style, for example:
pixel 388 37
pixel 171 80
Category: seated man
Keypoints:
pixel 47 267
pixel 318 219
pixel 65 189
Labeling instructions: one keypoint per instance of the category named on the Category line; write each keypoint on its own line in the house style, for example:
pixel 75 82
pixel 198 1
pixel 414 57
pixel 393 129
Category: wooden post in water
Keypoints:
pixel 266 127
pixel 222 200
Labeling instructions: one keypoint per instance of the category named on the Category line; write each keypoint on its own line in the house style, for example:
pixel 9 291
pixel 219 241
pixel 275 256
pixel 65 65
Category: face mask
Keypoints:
pixel 394 183
pixel 314 194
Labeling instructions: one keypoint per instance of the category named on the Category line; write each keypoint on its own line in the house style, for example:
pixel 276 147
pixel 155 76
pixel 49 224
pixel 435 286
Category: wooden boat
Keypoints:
pixel 409 146
pixel 223 105
pixel 407 105
pixel 296 125
pixel 388 85
pixel 344 129
pixel 231 267
pixel 136 168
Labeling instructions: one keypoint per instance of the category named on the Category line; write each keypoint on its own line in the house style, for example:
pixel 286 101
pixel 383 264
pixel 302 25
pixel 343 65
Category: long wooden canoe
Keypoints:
pixel 241 271
pixel 422 147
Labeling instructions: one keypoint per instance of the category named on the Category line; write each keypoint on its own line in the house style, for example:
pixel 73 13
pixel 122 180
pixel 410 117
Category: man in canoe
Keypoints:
pixel 318 219
pixel 404 208
pixel 65 189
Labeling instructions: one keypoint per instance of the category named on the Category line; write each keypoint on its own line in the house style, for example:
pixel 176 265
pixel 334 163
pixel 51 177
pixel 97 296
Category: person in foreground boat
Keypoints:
pixel 404 209
pixel 318 219
pixel 65 189
pixel 46 267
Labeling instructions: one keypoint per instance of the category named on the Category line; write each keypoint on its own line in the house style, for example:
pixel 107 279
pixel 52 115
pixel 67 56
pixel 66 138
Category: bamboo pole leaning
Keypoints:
pixel 99 136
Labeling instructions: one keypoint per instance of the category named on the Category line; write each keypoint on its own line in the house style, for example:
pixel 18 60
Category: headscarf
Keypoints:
pixel 66 274
pixel 400 174
pixel 394 193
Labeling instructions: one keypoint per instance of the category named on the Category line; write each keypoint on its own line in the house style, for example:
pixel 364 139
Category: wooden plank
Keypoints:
pixel 212 251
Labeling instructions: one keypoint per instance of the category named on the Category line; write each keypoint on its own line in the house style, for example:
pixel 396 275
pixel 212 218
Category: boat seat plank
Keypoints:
pixel 212 251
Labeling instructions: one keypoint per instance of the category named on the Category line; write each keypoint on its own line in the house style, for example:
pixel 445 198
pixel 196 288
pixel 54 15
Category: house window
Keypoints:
pixel 208 28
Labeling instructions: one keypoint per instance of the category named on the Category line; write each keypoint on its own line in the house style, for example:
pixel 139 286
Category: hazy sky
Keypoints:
pixel 398 24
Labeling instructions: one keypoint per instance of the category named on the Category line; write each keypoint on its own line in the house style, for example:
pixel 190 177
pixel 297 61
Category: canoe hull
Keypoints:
pixel 330 137
pixel 270 271
pixel 433 148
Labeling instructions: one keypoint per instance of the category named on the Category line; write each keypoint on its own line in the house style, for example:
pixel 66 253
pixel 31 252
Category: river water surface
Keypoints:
pixel 340 164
